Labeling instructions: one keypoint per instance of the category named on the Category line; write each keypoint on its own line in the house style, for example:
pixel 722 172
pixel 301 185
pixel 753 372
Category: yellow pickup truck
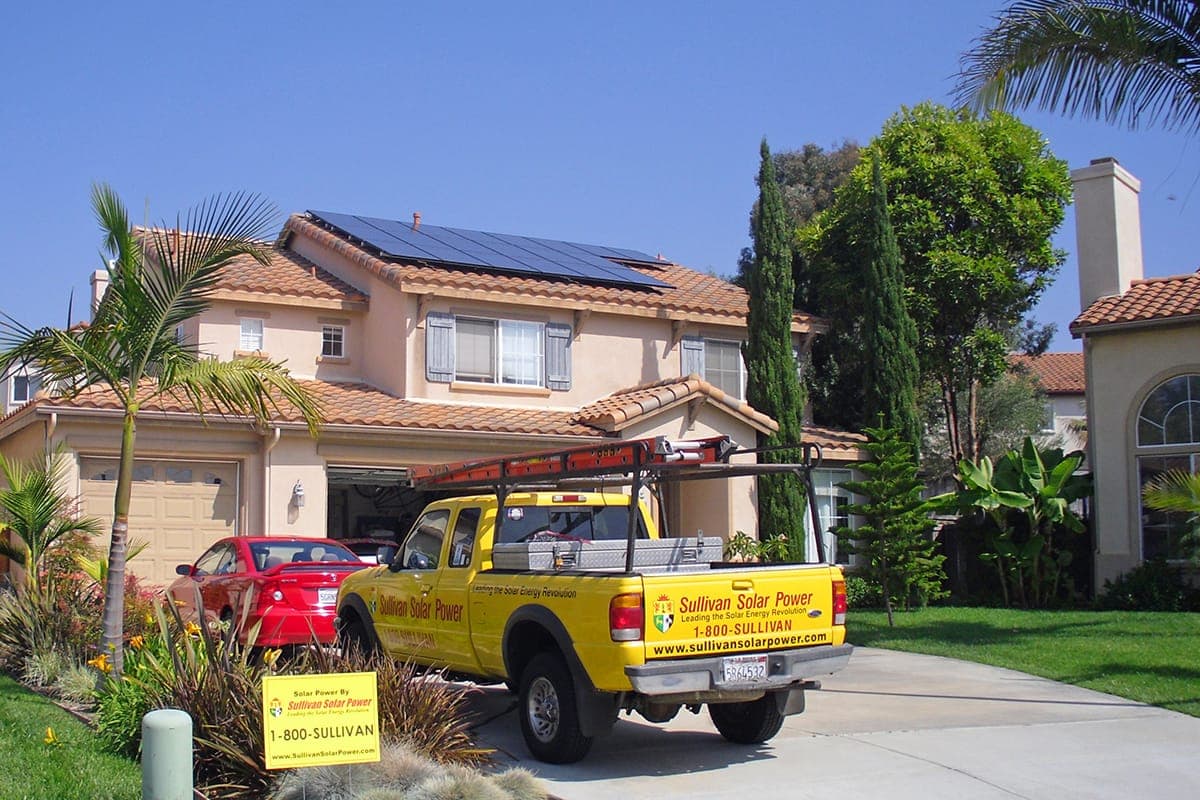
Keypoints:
pixel 577 605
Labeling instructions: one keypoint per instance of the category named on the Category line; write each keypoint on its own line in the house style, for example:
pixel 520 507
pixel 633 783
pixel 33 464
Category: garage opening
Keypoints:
pixel 369 506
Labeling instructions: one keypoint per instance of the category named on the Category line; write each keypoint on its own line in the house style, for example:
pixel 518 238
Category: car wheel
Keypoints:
pixel 549 714
pixel 747 723
pixel 352 634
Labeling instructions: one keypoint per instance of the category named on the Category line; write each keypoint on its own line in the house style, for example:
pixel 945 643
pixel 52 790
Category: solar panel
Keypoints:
pixel 495 251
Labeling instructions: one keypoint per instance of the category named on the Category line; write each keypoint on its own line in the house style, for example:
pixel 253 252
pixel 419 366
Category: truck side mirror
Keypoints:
pixel 386 553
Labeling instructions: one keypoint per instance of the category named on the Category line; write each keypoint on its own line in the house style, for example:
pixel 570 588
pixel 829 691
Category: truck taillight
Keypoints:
pixel 839 602
pixel 626 617
pixel 569 498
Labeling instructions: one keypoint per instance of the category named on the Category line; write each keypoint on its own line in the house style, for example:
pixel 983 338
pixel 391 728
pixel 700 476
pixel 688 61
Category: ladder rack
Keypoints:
pixel 636 462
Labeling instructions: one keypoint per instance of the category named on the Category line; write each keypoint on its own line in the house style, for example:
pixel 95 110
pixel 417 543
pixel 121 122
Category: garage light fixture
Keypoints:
pixel 298 495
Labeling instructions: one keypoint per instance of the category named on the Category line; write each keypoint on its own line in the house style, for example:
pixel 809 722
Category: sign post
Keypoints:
pixel 316 720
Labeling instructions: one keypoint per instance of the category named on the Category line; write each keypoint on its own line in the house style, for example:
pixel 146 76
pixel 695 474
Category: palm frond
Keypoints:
pixel 1176 490
pixel 1135 62
pixel 250 386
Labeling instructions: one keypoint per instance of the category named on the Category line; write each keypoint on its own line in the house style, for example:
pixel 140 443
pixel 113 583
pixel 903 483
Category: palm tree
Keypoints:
pixel 158 279
pixel 1178 490
pixel 1135 62
pixel 37 512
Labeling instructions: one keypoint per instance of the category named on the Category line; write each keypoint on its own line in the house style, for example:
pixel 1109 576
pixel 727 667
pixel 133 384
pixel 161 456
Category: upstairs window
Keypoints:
pixel 333 341
pixel 252 335
pixel 24 387
pixel 718 361
pixel 505 352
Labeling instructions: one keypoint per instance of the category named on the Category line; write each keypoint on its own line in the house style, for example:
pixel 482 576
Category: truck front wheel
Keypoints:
pixel 549 714
pixel 748 723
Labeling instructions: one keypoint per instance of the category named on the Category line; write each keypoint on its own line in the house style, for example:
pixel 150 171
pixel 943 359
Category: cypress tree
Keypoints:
pixel 773 385
pixel 891 368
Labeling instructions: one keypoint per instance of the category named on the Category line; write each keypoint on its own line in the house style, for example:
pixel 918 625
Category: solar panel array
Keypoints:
pixel 495 251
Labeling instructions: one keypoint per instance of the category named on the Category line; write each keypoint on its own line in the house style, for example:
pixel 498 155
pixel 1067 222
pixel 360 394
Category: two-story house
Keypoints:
pixel 426 344
pixel 1061 378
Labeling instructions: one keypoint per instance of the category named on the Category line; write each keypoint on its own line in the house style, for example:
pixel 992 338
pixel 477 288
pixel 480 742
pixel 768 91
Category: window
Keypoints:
pixel 333 341
pixel 463 541
pixel 833 504
pixel 589 523
pixel 1048 418
pixel 252 335
pixel 424 544
pixel 1168 439
pixel 497 351
pixel 718 361
pixel 24 387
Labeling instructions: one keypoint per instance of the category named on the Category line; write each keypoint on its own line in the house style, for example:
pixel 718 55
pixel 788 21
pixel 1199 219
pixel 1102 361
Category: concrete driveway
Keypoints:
pixel 892 725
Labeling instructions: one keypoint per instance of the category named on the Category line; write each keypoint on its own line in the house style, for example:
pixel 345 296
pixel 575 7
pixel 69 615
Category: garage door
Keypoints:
pixel 179 507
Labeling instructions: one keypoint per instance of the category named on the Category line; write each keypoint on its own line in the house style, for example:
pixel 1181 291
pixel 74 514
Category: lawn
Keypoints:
pixel 74 768
pixel 1146 656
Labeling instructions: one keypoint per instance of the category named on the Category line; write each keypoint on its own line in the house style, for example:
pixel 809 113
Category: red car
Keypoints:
pixel 291 584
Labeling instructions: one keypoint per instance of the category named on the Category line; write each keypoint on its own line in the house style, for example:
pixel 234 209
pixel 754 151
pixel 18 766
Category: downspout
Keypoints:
pixel 266 501
pixel 51 426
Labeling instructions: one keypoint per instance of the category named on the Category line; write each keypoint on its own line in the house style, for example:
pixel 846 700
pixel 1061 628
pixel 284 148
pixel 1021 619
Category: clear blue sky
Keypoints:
pixel 634 125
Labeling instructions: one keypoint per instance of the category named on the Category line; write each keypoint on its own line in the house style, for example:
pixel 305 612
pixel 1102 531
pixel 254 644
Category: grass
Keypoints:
pixel 1146 656
pixel 74 768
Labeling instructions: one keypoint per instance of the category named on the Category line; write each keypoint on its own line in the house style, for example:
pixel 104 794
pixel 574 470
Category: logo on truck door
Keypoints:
pixel 664 614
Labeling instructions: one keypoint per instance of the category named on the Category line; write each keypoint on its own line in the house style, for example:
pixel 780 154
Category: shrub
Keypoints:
pixel 1151 586
pixel 862 593
pixel 402 774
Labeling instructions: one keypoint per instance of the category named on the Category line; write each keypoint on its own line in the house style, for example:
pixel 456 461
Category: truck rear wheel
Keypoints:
pixel 748 723
pixel 549 714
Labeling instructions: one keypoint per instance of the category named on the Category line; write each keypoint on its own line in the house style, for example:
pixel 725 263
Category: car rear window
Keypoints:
pixel 271 554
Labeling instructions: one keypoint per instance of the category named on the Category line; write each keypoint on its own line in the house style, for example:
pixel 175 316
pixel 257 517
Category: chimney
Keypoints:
pixel 416 220
pixel 99 281
pixel 1108 229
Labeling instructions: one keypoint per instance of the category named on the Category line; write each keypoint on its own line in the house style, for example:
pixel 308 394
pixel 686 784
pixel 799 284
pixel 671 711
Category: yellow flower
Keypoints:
pixel 191 629
pixel 149 618
pixel 136 642
pixel 100 662
pixel 269 657
pixel 51 739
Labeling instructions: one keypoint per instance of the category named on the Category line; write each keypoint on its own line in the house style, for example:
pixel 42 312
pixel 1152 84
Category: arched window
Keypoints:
pixel 1168 438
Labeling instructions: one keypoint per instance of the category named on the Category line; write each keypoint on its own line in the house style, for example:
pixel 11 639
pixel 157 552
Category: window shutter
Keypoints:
pixel 691 354
pixel 439 347
pixel 558 356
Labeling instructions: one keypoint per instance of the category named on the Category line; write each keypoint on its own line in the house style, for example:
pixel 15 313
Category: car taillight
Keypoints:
pixel 625 617
pixel 270 594
pixel 839 602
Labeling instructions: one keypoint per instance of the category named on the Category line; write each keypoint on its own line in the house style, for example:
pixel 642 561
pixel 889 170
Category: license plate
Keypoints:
pixel 327 597
pixel 744 669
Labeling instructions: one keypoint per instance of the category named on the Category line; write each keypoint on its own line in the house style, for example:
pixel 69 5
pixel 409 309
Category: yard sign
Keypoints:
pixel 313 720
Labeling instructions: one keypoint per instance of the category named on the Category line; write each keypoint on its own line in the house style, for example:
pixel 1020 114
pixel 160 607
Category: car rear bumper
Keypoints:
pixel 785 669
pixel 288 626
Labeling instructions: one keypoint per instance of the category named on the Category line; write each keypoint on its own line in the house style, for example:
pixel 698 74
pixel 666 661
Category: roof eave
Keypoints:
pixel 1079 331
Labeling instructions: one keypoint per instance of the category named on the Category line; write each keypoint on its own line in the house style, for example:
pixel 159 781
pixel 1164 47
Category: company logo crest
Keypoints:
pixel 664 613
pixel 276 707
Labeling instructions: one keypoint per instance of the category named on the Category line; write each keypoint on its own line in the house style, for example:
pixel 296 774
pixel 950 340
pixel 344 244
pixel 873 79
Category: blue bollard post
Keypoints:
pixel 167 755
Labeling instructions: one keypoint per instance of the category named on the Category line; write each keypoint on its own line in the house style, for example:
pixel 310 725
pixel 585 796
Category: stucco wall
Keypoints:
pixel 291 334
pixel 1122 369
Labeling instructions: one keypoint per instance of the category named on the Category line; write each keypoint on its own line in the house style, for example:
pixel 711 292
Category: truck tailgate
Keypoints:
pixel 745 609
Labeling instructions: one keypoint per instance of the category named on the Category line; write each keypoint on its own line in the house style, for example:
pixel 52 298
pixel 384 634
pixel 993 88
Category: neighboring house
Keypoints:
pixel 17 388
pixel 1141 343
pixel 1060 376
pixel 426 345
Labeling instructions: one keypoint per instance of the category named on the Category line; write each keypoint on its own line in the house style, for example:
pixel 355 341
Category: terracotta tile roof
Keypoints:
pixel 286 274
pixel 837 445
pixel 1148 301
pixel 1056 373
pixel 693 293
pixel 622 407
pixel 360 404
